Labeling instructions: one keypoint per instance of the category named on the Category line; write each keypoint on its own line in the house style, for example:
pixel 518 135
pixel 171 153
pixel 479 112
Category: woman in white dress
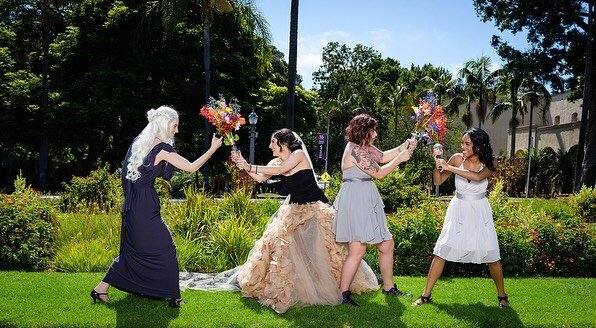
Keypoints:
pixel 468 234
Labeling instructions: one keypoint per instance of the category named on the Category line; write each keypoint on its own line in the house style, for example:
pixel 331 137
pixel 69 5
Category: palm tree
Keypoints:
pixel 446 87
pixel 397 97
pixel 292 64
pixel 170 12
pixel 479 82
pixel 508 83
pixel 337 106
pixel 535 93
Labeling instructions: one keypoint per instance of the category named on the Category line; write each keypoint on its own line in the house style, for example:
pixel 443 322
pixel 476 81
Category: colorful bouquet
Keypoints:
pixel 431 122
pixel 225 117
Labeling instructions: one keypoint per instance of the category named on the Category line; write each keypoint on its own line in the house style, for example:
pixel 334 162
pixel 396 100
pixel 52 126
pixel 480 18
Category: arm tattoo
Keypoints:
pixel 364 159
pixel 376 154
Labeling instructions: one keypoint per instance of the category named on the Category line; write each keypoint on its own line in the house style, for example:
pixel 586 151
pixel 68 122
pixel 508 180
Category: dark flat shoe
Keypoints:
pixel 347 299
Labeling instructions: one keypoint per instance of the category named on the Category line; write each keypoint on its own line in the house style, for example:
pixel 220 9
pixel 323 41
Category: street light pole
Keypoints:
pixel 327 145
pixel 253 118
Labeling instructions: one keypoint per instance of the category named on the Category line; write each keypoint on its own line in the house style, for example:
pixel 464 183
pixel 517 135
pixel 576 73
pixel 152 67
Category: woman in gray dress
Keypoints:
pixel 359 210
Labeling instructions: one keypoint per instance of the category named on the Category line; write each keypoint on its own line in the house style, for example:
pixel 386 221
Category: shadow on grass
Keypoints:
pixel 480 315
pixel 135 311
pixel 371 313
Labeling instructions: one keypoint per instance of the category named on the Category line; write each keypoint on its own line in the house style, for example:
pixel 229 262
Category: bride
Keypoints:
pixel 297 261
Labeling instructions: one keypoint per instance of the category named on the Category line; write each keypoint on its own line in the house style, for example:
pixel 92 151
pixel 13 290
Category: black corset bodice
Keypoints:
pixel 303 188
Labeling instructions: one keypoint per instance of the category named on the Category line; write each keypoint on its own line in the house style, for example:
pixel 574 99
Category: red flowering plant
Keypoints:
pixel 430 120
pixel 225 117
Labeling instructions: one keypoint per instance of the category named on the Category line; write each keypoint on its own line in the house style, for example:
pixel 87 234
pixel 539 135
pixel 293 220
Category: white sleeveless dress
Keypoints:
pixel 468 234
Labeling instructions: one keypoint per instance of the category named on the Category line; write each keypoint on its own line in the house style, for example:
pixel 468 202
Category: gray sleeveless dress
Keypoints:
pixel 359 210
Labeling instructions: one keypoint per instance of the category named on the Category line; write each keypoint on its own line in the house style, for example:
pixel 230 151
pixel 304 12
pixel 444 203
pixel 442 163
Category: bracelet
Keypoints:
pixel 249 167
pixel 256 169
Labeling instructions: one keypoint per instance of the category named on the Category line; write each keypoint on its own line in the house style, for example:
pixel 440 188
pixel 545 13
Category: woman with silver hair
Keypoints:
pixel 147 264
pixel 296 261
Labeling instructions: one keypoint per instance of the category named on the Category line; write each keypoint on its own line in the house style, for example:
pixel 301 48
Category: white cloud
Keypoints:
pixel 380 37
pixel 310 50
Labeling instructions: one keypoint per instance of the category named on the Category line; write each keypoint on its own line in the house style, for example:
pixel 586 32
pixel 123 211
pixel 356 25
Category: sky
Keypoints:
pixel 443 33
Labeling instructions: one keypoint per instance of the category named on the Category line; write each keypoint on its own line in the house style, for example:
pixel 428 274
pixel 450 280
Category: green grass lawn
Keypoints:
pixel 57 299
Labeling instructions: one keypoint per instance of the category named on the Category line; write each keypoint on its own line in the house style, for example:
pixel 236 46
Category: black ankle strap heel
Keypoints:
pixel 97 296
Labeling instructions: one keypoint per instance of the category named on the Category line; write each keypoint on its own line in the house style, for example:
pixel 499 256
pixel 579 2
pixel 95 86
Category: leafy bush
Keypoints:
pixel 585 204
pixel 531 242
pixel 223 230
pixel 101 191
pixel 86 243
pixel 399 190
pixel 26 232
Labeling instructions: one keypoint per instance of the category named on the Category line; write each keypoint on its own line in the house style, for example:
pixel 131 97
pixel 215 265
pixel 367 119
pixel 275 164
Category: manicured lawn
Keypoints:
pixel 57 299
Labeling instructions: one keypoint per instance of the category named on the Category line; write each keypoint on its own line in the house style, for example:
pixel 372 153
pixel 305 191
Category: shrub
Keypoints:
pixel 398 190
pixel 26 232
pixel 101 191
pixel 531 241
pixel 415 232
pixel 585 203
pixel 86 243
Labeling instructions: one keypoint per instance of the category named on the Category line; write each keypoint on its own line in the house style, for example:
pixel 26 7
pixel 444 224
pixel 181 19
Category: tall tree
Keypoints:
pixel 480 81
pixel 561 33
pixel 292 58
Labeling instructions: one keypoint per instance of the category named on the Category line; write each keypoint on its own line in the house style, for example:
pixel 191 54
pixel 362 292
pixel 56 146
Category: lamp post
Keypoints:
pixel 253 118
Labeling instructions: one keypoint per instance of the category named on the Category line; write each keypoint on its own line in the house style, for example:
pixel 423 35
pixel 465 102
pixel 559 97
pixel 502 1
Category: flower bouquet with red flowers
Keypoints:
pixel 225 117
pixel 430 120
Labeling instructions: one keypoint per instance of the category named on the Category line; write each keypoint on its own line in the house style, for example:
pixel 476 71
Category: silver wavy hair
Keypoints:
pixel 158 127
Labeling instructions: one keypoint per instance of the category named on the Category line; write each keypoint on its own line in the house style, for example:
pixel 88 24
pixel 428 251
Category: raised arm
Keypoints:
pixel 439 176
pixel 287 165
pixel 385 156
pixel 484 173
pixel 261 177
pixel 184 164
pixel 367 163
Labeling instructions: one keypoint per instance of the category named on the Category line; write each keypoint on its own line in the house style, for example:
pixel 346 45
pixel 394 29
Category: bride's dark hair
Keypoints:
pixel 286 137
pixel 481 147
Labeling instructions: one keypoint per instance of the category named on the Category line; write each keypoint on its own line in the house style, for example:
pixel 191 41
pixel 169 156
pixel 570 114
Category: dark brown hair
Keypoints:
pixel 285 136
pixel 360 128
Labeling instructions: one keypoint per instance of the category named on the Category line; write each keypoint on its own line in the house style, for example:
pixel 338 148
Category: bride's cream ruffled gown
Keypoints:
pixel 297 261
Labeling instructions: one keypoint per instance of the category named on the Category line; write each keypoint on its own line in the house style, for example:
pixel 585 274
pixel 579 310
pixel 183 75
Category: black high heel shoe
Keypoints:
pixel 176 302
pixel 347 299
pixel 97 296
pixel 503 298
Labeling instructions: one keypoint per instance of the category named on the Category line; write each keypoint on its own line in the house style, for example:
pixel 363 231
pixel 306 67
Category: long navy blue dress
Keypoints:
pixel 147 264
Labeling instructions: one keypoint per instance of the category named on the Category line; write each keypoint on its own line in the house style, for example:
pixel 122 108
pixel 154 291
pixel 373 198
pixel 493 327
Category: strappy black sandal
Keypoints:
pixel 97 296
pixel 503 298
pixel 423 299
pixel 176 302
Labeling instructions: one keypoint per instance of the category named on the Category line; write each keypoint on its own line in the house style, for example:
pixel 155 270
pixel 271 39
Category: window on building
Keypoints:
pixel 557 120
pixel 574 117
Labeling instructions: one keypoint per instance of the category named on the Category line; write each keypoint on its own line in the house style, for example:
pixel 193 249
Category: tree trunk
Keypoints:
pixel 395 127
pixel 207 18
pixel 513 117
pixel 586 153
pixel 292 65
pixel 44 148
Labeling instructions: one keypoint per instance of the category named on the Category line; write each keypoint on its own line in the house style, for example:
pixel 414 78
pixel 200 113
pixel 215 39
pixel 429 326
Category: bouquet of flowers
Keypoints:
pixel 225 117
pixel 431 122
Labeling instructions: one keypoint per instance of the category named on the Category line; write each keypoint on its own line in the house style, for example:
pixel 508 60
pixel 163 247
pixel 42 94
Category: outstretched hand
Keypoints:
pixel 216 142
pixel 412 143
pixel 240 162
pixel 441 164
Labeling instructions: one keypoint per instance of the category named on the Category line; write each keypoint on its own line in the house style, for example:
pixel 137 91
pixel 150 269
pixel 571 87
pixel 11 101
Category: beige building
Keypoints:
pixel 556 128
